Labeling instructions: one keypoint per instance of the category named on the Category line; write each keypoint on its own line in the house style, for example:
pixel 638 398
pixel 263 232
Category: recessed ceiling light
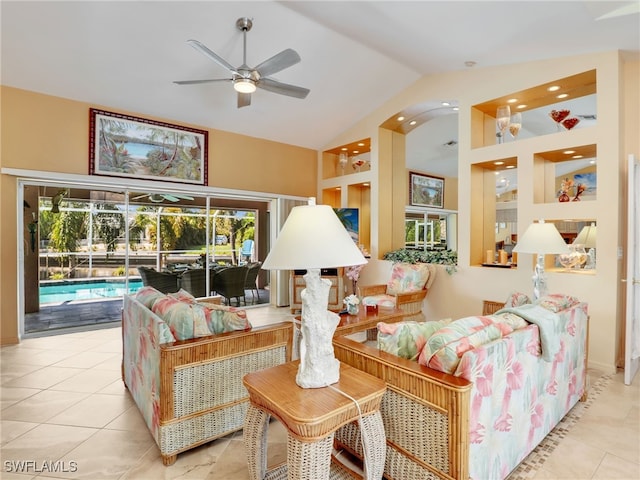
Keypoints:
pixel 455 109
pixel 356 151
pixel 563 95
pixel 577 156
pixel 553 88
pixel 365 184
pixel 400 118
pixel 361 144
pixel 569 152
pixel 412 122
pixel 521 106
pixel 498 163
pixel 510 166
pixel 445 104
pixel 338 188
pixel 344 149
pixel 512 100
pixel 592 162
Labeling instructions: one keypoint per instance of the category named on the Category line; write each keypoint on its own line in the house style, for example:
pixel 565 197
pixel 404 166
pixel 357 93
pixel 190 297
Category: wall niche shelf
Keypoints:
pixel 566 175
pixel 553 159
pixel 557 94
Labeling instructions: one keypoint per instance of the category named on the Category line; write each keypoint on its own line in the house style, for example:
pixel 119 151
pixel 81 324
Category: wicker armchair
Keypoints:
pixel 229 282
pixel 164 282
pixel 190 392
pixel 194 281
pixel 409 301
pixel 253 269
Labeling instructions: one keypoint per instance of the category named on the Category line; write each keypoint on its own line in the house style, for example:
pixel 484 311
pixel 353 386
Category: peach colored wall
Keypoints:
pixel 616 134
pixel 41 132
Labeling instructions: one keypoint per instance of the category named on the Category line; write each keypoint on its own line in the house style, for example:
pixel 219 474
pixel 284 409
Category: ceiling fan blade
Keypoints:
pixel 213 56
pixel 244 99
pixel 170 197
pixel 196 82
pixel 183 197
pixel 282 88
pixel 278 62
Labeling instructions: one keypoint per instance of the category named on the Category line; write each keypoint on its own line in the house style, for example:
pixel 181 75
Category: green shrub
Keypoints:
pixel 409 255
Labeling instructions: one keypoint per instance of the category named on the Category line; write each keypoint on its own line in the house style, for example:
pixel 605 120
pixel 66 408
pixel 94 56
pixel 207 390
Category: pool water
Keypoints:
pixel 68 291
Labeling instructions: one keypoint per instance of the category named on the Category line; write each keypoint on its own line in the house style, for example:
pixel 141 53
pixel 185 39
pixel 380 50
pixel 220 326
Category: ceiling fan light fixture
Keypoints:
pixel 244 85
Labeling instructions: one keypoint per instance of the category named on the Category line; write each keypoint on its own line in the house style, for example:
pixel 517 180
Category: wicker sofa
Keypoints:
pixel 190 391
pixel 483 419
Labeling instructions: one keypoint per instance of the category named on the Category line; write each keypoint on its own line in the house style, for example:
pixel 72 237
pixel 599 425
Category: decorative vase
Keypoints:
pixel 353 308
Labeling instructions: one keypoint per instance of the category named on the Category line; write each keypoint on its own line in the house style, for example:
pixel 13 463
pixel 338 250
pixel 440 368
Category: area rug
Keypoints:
pixel 535 460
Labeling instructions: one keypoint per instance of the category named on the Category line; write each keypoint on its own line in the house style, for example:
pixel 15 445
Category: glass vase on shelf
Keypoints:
pixel 515 124
pixel 503 117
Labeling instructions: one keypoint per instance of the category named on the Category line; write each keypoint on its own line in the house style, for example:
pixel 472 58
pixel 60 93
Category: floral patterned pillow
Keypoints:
pixel 557 302
pixel 183 319
pixel 221 318
pixel 407 277
pixel 445 348
pixel 517 299
pixel 183 296
pixel 148 296
pixel 406 339
pixel 382 300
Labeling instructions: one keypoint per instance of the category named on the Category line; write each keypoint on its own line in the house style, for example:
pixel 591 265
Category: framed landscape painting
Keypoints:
pixel 132 147
pixel 426 190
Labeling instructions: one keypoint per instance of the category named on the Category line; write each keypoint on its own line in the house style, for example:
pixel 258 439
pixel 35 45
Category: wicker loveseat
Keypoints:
pixel 190 391
pixel 501 400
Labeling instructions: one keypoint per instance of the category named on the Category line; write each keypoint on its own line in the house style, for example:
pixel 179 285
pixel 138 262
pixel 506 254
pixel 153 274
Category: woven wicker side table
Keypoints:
pixel 311 417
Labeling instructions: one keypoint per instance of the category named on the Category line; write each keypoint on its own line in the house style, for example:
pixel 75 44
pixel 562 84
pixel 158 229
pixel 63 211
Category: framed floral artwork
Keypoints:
pixel 426 190
pixel 132 147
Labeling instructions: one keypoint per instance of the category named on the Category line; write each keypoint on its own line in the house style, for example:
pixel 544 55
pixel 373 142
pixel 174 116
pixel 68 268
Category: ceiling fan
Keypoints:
pixel 161 197
pixel 245 79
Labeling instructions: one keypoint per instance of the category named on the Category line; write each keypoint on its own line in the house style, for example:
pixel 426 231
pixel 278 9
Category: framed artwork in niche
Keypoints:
pixel 132 147
pixel 426 190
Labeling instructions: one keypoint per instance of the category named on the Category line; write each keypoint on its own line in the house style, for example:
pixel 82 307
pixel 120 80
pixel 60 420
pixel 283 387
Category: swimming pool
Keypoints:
pixel 72 290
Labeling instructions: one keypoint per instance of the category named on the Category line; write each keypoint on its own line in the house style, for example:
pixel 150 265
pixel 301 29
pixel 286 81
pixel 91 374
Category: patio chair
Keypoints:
pixel 164 282
pixel 246 252
pixel 250 283
pixel 229 282
pixel 194 281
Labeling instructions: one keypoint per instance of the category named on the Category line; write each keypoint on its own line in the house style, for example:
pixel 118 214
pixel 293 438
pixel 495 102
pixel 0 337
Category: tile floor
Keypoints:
pixel 63 402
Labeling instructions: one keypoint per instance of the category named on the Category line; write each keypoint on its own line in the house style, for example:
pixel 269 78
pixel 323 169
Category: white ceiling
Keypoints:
pixel 125 55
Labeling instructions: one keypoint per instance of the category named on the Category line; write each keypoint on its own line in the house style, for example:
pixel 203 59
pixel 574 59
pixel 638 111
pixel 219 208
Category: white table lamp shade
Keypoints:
pixel 541 238
pixel 587 236
pixel 313 237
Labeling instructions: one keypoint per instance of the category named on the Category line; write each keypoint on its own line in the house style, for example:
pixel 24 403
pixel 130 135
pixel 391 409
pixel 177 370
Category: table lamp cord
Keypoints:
pixel 363 438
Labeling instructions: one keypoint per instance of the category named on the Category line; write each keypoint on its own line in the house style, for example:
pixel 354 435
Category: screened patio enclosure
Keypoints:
pixel 84 245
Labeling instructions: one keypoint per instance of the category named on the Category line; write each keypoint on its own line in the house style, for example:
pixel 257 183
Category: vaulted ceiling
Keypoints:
pixel 354 55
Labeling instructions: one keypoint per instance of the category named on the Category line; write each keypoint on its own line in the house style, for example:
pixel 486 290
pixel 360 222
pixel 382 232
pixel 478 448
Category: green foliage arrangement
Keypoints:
pixel 409 255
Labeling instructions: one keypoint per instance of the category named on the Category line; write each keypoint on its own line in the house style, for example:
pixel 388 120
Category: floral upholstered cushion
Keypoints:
pixel 222 318
pixel 148 296
pixel 183 296
pixel 407 277
pixel 516 299
pixel 183 319
pixel 444 349
pixel 557 302
pixel 406 339
pixel 382 300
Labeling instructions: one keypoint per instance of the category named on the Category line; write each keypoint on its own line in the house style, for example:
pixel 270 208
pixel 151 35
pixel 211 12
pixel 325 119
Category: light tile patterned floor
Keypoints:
pixel 63 400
